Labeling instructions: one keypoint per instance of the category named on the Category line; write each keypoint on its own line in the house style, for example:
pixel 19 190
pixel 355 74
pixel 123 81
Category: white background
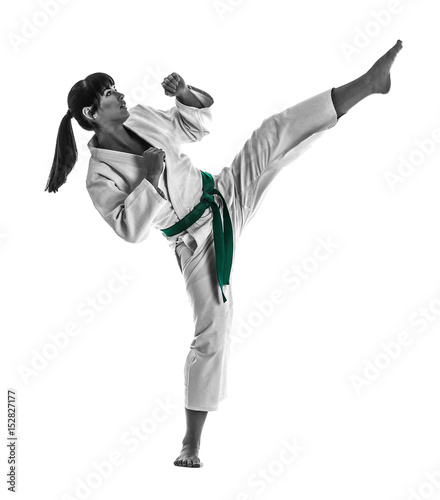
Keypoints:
pixel 292 377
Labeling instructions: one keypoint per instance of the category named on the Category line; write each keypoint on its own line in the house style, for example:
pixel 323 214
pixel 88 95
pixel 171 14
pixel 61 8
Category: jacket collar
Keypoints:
pixel 133 123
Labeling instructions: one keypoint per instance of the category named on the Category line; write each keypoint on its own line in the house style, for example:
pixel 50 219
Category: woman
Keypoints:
pixel 138 178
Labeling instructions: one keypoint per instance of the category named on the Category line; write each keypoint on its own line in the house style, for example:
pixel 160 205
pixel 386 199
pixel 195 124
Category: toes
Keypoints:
pixel 188 462
pixel 182 462
pixel 398 46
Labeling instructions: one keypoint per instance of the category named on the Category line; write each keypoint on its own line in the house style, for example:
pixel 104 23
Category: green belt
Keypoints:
pixel 223 241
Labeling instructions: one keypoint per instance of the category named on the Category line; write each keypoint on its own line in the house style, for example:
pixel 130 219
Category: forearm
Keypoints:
pixel 189 99
pixel 130 216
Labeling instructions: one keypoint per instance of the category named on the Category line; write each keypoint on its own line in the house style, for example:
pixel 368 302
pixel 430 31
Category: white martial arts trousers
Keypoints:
pixel 279 140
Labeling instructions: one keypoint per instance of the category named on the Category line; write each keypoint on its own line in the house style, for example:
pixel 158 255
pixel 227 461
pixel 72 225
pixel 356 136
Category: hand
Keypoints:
pixel 174 85
pixel 154 159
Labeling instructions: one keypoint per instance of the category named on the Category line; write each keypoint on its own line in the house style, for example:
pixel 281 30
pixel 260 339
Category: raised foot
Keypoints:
pixel 379 73
pixel 189 456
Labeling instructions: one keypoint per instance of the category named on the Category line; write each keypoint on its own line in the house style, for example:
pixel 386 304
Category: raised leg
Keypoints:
pixel 284 136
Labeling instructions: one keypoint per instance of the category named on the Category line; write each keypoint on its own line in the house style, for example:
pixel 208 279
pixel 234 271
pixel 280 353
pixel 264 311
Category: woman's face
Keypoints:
pixel 113 110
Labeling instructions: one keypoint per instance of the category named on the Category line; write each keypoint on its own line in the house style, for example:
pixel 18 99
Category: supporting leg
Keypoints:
pixel 376 80
pixel 189 456
pixel 205 371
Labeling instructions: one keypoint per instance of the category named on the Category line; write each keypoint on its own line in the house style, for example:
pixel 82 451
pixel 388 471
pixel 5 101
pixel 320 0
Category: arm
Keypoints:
pixel 130 215
pixel 192 122
pixel 192 113
pixel 189 99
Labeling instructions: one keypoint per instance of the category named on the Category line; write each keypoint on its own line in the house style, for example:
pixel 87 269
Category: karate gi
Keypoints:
pixel 131 205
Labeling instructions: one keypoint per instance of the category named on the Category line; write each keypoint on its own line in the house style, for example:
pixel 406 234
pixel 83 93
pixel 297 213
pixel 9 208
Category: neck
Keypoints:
pixel 112 133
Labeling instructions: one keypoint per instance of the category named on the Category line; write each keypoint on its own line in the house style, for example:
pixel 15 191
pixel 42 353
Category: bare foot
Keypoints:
pixel 379 73
pixel 189 456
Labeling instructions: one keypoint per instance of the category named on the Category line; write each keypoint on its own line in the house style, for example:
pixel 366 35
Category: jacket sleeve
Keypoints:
pixel 130 215
pixel 188 123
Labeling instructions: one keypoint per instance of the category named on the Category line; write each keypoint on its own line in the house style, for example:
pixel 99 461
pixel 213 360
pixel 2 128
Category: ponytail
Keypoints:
pixel 85 93
pixel 65 155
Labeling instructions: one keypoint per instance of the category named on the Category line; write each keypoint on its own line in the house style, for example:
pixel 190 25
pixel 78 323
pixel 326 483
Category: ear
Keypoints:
pixel 87 113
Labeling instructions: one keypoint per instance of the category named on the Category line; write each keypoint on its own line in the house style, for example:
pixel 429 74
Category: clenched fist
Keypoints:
pixel 154 159
pixel 174 85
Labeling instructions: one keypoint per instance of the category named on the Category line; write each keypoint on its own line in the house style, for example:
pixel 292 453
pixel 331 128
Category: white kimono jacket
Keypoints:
pixel 116 180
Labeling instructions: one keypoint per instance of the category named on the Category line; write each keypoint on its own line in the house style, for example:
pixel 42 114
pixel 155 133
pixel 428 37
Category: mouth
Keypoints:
pixel 124 106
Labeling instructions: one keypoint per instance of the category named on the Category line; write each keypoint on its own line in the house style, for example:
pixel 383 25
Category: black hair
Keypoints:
pixel 85 93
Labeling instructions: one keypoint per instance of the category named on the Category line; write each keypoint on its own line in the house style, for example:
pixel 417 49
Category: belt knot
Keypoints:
pixel 209 198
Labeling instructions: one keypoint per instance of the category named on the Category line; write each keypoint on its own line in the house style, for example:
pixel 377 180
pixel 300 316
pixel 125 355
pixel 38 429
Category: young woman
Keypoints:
pixel 138 178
